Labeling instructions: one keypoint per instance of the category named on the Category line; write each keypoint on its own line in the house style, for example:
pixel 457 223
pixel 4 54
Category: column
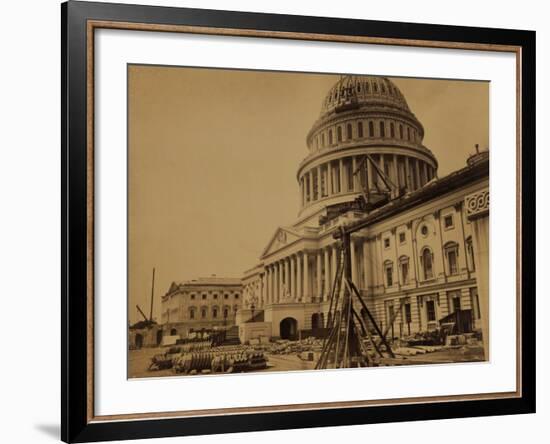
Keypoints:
pixel 370 176
pixel 262 290
pixel 319 188
pixel 417 173
pixel 353 263
pixel 306 294
pixel 310 179
pixel 319 293
pixel 288 279
pixel 425 172
pixel 329 178
pixel 303 190
pixel 341 174
pixel 269 283
pixel 292 290
pixel 408 174
pixel 298 276
pixel 334 254
pixel 396 173
pixel 327 273
pixel 353 168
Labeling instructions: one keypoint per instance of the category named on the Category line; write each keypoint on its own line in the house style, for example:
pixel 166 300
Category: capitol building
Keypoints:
pixel 420 251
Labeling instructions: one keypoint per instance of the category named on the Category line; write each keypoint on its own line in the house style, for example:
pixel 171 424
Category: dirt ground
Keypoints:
pixel 139 360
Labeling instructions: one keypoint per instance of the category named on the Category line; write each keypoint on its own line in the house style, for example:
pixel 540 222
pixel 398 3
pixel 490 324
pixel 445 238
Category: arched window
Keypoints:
pixel 426 259
pixel 400 131
pixel 349 134
pixel 214 312
pixel 323 139
pixel 392 130
pixel 360 129
pixel 339 132
pixel 225 312
pixel 382 129
pixel 371 129
pixel 451 255
pixel 383 87
pixel 191 312
pixel 408 133
pixel 470 250
pixel 375 87
pixel 204 312
pixel 330 137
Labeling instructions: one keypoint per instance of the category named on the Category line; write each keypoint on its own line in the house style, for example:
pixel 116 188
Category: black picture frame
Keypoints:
pixel 76 424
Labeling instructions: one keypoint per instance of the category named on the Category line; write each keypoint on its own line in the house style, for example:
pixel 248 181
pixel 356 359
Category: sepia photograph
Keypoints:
pixel 297 221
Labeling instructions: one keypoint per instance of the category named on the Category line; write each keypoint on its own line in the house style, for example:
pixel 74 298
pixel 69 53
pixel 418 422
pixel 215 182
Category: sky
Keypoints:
pixel 213 155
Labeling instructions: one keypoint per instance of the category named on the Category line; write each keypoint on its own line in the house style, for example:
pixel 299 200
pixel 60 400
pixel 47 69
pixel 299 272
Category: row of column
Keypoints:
pixel 336 177
pixel 302 277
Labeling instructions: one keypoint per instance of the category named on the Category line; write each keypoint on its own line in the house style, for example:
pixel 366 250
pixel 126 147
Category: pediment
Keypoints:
pixel 281 238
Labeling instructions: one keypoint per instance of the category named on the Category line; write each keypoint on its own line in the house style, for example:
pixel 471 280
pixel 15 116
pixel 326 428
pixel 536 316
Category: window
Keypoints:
pixel 371 129
pixel 451 253
pixel 408 315
pixel 349 131
pixel 214 312
pixel 430 311
pixel 226 296
pixel 383 88
pixel 236 296
pixel 330 137
pixel 375 87
pixel 387 242
pixel 427 263
pixel 225 312
pixel 323 139
pixel 389 274
pixel 215 296
pixel 392 129
pixel 402 237
pixel 192 297
pixel 404 265
pixel 203 297
pixel 382 130
pixel 448 221
pixel 401 131
pixel 339 132
pixel 424 230
pixel 192 313
pixel 203 312
pixel 315 184
pixel 360 129
pixel 408 133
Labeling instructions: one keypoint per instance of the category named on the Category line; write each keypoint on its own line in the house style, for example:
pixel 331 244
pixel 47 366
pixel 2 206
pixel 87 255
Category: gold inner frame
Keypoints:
pixel 92 25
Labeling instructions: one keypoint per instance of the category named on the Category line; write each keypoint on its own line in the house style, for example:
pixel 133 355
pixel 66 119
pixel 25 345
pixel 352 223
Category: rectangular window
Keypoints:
pixel 387 242
pixel 389 275
pixel 430 311
pixel 360 129
pixel 405 272
pixel 451 257
pixel 402 237
pixel 408 315
pixel 448 221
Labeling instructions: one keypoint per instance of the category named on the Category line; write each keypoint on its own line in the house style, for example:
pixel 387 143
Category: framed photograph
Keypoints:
pixel 276 221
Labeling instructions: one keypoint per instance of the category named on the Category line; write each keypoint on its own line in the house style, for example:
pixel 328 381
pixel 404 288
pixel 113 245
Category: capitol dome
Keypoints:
pixel 362 115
